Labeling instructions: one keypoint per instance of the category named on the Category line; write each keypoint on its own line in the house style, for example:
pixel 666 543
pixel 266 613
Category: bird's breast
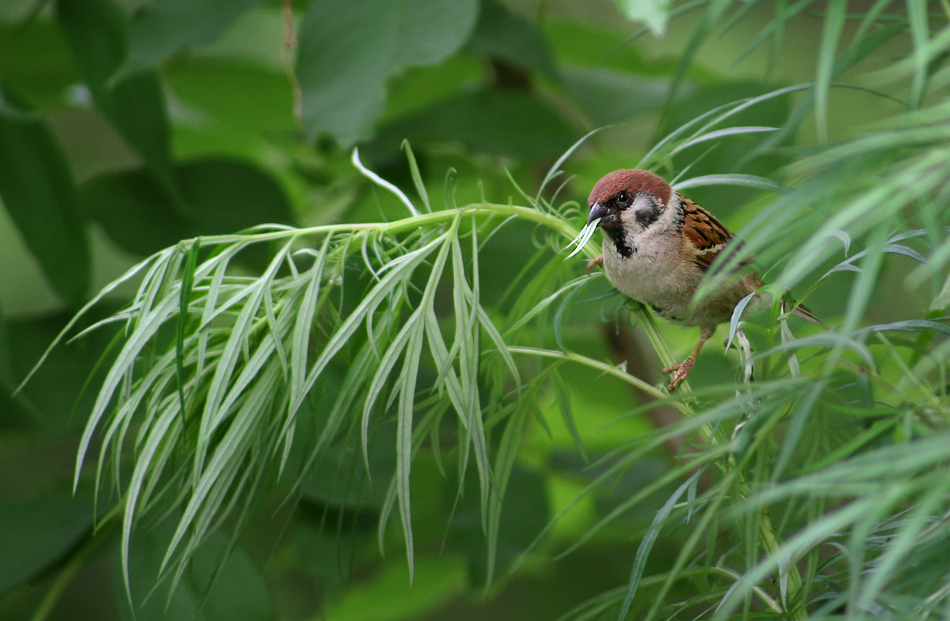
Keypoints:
pixel 653 274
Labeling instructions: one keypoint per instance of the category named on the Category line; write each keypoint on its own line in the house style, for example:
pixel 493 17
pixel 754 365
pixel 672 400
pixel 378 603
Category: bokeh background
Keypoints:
pixel 127 125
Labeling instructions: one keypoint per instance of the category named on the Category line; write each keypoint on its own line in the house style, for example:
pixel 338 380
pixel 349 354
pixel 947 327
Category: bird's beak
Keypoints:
pixel 596 211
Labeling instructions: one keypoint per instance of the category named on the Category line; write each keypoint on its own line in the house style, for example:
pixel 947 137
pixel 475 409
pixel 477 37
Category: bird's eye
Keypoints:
pixel 623 197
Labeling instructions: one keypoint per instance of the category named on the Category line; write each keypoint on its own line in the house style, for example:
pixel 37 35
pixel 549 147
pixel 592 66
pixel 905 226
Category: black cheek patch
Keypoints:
pixel 625 251
pixel 646 217
pixel 617 237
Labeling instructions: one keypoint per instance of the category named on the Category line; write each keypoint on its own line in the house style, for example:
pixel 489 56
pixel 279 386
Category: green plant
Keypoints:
pixel 223 375
pixel 335 371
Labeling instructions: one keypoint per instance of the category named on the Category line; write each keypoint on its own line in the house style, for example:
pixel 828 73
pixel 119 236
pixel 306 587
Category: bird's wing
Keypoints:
pixel 706 235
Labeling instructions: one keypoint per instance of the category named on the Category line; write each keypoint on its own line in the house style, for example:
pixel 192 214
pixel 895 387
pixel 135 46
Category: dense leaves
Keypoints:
pixel 348 50
pixel 37 189
pixel 135 105
pixel 164 28
pixel 215 195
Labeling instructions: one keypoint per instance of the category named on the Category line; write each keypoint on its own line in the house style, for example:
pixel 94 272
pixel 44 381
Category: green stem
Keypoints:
pixel 76 562
pixel 410 224
pixel 604 368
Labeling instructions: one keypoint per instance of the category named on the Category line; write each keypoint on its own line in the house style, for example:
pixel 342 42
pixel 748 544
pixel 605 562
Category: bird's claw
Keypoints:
pixel 598 261
pixel 679 371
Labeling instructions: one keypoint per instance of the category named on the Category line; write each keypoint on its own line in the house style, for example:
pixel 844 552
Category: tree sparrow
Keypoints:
pixel 657 247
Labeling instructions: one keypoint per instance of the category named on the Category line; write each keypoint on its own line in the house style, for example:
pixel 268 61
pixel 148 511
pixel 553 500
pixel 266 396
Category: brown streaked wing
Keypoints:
pixel 707 234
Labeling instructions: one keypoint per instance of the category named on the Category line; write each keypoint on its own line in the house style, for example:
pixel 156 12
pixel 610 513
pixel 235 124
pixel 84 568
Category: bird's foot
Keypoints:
pixel 679 371
pixel 598 261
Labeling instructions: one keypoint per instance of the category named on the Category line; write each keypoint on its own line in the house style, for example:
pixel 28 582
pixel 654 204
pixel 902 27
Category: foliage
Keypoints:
pixel 302 367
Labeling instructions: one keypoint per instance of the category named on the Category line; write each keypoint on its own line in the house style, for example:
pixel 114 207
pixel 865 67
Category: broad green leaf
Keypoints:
pixel 219 196
pixel 134 210
pixel 349 48
pixel 97 31
pixel 35 61
pixel 430 30
pixel 611 96
pixel 160 29
pixel 502 33
pixel 224 195
pixel 513 123
pixel 221 88
pixel 37 189
pixel 343 61
pixel 36 532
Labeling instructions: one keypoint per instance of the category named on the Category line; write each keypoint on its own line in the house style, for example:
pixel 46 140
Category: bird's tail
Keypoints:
pixel 800 310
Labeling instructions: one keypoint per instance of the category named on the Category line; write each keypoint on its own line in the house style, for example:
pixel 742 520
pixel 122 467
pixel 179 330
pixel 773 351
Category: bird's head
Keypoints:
pixel 628 199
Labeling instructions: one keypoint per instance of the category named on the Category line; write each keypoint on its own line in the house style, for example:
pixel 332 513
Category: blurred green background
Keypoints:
pixel 126 126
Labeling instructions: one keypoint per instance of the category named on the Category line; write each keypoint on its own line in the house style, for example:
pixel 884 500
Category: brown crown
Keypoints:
pixel 632 180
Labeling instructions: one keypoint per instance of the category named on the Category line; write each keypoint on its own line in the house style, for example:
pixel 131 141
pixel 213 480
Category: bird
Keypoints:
pixel 659 245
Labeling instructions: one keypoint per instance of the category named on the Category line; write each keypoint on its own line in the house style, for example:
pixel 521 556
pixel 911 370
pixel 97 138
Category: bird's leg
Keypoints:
pixel 681 370
pixel 598 261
